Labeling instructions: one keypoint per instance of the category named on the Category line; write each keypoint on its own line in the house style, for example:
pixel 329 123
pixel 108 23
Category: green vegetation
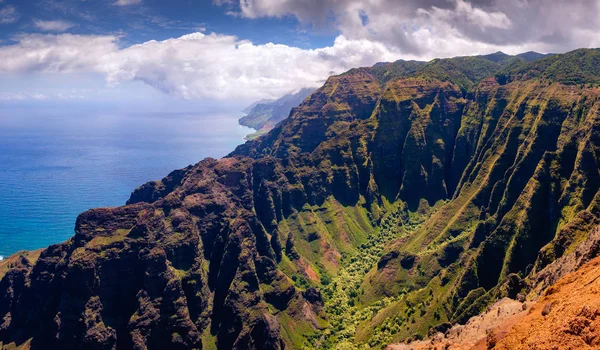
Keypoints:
pixel 465 72
pixel 343 294
pixel 395 200
pixel 390 71
pixel 264 115
pixel 573 68
pixel 466 252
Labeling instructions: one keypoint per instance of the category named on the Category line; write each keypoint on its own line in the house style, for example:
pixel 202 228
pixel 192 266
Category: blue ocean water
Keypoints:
pixel 56 164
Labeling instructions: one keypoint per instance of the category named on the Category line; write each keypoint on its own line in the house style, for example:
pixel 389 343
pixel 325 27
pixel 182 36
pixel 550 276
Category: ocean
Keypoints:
pixel 55 164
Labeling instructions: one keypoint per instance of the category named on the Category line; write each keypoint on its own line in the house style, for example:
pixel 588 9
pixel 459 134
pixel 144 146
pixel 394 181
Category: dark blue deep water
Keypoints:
pixel 55 165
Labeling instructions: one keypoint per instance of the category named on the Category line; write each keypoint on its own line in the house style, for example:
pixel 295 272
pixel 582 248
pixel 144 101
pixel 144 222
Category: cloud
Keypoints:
pixel 464 12
pixel 52 26
pixel 72 94
pixel 55 53
pixel 222 66
pixel 22 96
pixel 217 66
pixel 8 14
pixel 194 66
pixel 127 2
pixel 416 27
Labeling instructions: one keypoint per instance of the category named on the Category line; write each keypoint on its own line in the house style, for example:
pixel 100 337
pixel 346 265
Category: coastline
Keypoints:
pixel 253 135
pixel 65 180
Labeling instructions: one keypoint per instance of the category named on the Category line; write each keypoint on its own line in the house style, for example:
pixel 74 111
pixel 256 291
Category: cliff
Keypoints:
pixel 263 115
pixel 565 316
pixel 394 200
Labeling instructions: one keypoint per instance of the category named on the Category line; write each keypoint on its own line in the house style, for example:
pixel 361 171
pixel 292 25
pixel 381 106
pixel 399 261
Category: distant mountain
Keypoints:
pixel 505 59
pixel 498 57
pixel 263 101
pixel 532 55
pixel 263 115
pixel 395 202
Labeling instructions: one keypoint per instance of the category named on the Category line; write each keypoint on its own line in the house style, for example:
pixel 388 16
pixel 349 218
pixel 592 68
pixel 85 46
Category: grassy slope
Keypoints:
pixel 490 181
pixel 520 137
pixel 519 222
pixel 6 264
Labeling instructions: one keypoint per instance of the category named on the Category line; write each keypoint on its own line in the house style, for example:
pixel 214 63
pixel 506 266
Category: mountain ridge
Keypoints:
pixel 395 199
pixel 263 115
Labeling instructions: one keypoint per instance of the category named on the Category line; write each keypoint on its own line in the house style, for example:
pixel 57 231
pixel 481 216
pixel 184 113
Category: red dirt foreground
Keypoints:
pixel 566 317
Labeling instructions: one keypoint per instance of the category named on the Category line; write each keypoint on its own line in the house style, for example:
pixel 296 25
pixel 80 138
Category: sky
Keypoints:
pixel 207 52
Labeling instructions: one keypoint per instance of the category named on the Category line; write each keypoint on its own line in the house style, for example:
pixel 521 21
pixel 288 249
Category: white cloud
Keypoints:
pixel 55 53
pixel 22 96
pixel 194 66
pixel 214 66
pixel 411 26
pixel 72 94
pixel 221 66
pixel 465 12
pixel 52 26
pixel 127 2
pixel 8 15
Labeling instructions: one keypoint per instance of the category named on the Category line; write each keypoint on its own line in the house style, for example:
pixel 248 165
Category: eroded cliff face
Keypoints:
pixel 528 194
pixel 167 270
pixel 565 316
pixel 393 200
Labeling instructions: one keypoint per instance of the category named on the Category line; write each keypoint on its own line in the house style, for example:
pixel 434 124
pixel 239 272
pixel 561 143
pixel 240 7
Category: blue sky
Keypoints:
pixel 159 20
pixel 132 24
pixel 205 52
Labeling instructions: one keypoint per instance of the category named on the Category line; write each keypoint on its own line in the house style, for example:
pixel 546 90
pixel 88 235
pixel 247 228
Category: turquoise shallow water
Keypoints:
pixel 54 166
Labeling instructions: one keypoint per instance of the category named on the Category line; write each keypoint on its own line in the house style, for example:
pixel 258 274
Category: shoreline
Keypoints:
pixel 154 162
pixel 251 136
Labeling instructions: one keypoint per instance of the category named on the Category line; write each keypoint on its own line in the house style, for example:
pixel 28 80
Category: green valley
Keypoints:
pixel 394 202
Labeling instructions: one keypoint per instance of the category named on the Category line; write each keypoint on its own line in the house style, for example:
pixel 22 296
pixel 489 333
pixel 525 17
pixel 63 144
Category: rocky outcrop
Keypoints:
pixel 483 178
pixel 564 317
pixel 186 267
pixel 585 251
pixel 524 147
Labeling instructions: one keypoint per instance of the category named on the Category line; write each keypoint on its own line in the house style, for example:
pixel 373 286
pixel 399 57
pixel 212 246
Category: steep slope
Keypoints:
pixel 394 199
pixel 565 317
pixel 519 176
pixel 528 193
pixel 262 116
pixel 12 261
pixel 476 333
pixel 181 270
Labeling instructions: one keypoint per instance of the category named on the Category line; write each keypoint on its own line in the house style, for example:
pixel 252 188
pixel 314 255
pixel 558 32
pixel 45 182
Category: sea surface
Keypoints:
pixel 57 164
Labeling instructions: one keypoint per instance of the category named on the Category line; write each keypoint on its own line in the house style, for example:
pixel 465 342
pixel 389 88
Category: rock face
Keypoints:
pixel 566 316
pixel 159 273
pixel 473 175
pixel 473 335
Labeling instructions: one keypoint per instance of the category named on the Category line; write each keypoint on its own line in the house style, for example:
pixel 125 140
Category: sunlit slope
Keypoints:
pixel 393 200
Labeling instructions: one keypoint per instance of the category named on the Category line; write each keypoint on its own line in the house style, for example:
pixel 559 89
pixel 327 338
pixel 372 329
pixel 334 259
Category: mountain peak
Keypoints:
pixel 393 202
